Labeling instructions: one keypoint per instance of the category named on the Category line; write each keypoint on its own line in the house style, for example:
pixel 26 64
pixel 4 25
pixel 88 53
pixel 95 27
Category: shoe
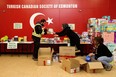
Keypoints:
pixel 35 59
pixel 108 68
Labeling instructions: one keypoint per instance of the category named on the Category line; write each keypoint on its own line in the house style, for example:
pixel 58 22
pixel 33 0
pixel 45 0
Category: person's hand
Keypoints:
pixel 91 54
pixel 45 31
pixel 55 35
pixel 54 32
pixel 43 28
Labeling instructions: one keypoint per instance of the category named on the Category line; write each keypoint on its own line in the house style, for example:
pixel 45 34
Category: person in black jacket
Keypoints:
pixel 36 36
pixel 102 53
pixel 74 38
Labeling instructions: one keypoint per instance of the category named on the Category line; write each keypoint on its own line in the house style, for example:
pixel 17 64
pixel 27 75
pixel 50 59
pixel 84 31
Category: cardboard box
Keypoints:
pixel 71 65
pixel 65 57
pixel 81 60
pixel 67 50
pixel 82 63
pixel 45 56
pixel 90 67
pixel 94 67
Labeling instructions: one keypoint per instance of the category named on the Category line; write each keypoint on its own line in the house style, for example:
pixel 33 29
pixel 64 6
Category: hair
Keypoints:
pixel 99 40
pixel 65 25
pixel 43 20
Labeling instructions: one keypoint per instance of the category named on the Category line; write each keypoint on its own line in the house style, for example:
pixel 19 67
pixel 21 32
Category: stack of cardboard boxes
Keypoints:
pixel 66 52
pixel 69 64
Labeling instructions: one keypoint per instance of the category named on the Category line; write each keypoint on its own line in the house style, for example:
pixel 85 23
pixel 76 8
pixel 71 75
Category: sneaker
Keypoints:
pixel 108 68
pixel 35 59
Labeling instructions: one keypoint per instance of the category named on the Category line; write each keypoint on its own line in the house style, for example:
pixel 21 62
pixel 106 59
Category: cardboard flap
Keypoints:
pixel 67 51
pixel 95 65
pixel 66 63
pixel 45 51
pixel 74 63
pixel 70 65
pixel 44 56
pixel 81 61
pixel 52 51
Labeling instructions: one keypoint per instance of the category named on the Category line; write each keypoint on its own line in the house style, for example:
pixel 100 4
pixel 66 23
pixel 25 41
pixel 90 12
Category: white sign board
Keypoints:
pixel 12 45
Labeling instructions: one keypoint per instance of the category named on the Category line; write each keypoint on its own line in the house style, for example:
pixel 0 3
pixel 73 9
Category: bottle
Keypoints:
pixel 57 57
pixel 88 58
pixel 54 58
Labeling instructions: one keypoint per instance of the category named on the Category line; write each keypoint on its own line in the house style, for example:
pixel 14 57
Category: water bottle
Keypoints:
pixel 54 58
pixel 88 58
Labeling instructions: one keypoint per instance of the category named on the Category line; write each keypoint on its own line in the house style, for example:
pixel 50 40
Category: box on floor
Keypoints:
pixel 94 67
pixel 61 58
pixel 90 67
pixel 45 56
pixel 67 50
pixel 71 65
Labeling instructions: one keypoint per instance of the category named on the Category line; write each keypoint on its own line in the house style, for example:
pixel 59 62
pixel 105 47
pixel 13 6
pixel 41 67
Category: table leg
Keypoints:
pixel 0 49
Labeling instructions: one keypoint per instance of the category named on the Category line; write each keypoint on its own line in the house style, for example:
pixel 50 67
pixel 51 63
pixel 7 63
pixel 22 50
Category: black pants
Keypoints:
pixel 36 46
pixel 77 44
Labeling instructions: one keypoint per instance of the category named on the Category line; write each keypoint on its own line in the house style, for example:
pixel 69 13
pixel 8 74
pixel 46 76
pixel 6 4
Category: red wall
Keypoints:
pixel 79 16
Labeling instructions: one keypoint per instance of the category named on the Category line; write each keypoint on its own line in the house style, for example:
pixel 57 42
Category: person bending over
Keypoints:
pixel 74 38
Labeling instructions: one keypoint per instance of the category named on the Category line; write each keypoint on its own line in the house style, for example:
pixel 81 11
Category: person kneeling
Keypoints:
pixel 102 53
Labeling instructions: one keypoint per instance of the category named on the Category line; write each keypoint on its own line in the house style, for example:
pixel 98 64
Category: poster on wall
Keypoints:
pixel 72 26
pixel 17 26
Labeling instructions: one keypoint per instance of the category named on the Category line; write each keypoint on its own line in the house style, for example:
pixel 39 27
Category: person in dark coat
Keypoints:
pixel 74 38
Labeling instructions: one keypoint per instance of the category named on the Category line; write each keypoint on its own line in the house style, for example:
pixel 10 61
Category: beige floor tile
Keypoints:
pixel 23 66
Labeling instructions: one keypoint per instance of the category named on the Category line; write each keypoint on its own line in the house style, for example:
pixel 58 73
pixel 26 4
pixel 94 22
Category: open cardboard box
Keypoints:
pixel 67 50
pixel 45 56
pixel 82 63
pixel 81 60
pixel 61 58
pixel 94 67
pixel 71 65
pixel 90 67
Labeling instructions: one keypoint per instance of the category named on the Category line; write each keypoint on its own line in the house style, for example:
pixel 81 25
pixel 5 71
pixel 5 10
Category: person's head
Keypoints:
pixel 98 40
pixel 42 22
pixel 65 25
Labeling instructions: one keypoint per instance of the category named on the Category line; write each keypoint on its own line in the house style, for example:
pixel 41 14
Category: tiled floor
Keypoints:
pixel 23 66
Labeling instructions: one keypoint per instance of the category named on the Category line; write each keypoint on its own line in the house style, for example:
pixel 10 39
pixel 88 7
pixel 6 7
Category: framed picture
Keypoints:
pixel 72 26
pixel 17 26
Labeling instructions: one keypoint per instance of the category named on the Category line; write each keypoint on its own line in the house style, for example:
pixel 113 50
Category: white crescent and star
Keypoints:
pixel 49 20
